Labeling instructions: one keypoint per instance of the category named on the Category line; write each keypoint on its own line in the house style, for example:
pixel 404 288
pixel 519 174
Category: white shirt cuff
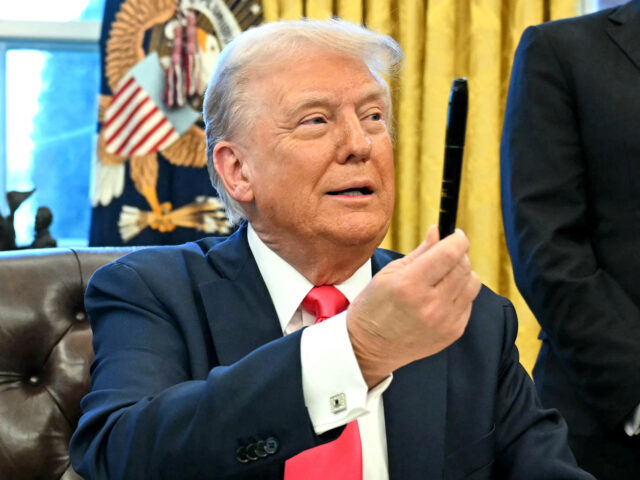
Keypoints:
pixel 632 426
pixel 334 389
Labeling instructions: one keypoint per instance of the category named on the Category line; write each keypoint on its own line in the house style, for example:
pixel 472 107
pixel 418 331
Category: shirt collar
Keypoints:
pixel 288 287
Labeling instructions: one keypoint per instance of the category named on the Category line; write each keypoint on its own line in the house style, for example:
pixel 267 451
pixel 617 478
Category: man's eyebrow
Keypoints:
pixel 321 99
pixel 374 94
pixel 309 101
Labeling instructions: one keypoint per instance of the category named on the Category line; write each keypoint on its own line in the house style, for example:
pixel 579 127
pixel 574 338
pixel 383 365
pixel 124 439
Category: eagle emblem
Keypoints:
pixel 159 57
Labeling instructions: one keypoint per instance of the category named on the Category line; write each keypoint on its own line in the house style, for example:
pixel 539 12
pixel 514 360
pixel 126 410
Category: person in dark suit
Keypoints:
pixel 208 364
pixel 570 163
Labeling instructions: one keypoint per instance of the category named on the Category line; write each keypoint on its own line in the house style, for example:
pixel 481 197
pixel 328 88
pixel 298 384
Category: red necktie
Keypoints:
pixel 342 458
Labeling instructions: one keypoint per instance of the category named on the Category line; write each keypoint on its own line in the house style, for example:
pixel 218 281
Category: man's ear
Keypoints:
pixel 233 170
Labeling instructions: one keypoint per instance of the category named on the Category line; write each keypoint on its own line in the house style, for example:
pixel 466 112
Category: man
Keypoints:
pixel 570 199
pixel 193 377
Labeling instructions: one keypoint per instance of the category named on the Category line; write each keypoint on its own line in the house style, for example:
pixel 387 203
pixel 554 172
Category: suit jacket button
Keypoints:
pixel 260 448
pixel 271 445
pixel 241 455
pixel 250 452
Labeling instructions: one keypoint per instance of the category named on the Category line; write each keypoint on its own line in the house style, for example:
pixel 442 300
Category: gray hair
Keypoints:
pixel 226 100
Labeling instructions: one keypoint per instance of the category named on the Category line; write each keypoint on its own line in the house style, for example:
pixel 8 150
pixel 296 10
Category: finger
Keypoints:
pixel 469 293
pixel 420 249
pixel 455 281
pixel 437 261
pixel 459 319
pixel 462 309
pixel 431 239
pixel 433 236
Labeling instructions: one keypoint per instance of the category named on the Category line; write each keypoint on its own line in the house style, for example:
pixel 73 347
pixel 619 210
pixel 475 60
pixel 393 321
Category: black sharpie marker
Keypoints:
pixel 453 150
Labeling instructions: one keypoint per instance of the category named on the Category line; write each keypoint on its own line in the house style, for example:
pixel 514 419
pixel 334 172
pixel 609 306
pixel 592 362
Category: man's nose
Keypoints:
pixel 356 142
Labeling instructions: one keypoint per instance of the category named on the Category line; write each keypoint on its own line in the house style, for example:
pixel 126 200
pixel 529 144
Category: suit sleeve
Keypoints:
pixel 149 415
pixel 531 442
pixel 591 322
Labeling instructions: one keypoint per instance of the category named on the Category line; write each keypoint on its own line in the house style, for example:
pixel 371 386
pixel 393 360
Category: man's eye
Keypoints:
pixel 375 117
pixel 314 121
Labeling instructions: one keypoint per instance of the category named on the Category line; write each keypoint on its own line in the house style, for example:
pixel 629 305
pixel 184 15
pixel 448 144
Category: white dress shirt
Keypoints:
pixel 329 365
pixel 632 426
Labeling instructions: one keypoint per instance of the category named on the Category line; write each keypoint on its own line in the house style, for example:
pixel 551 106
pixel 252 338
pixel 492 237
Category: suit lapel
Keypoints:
pixel 415 411
pixel 624 29
pixel 239 309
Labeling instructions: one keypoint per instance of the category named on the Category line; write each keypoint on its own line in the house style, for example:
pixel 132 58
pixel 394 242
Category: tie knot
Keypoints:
pixel 325 302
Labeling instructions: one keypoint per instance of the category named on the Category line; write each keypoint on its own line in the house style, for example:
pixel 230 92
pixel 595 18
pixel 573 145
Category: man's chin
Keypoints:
pixel 365 235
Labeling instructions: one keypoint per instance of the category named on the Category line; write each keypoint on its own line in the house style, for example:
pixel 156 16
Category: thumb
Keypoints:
pixel 431 239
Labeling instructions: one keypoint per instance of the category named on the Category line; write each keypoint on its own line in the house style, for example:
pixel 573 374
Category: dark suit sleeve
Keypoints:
pixel 531 442
pixel 151 414
pixel 591 322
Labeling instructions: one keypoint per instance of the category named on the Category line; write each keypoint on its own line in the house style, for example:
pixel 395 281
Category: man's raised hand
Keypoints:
pixel 414 307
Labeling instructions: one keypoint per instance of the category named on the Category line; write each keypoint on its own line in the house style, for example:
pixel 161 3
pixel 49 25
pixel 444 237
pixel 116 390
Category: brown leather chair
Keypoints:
pixel 45 355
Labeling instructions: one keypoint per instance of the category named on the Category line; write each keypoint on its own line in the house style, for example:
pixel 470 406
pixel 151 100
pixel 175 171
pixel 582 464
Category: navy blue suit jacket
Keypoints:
pixel 570 164
pixel 191 365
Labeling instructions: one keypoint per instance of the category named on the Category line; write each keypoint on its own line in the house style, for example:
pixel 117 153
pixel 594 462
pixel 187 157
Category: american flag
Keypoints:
pixel 136 122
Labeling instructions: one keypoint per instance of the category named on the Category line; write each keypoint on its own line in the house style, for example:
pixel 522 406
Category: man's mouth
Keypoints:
pixel 353 192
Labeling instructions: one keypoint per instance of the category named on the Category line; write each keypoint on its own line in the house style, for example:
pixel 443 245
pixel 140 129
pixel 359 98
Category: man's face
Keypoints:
pixel 319 153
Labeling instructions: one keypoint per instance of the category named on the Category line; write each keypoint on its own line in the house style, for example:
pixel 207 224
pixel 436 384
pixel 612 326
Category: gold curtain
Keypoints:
pixel 444 39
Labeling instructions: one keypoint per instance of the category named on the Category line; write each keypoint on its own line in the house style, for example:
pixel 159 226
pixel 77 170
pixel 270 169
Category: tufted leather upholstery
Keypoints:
pixel 45 355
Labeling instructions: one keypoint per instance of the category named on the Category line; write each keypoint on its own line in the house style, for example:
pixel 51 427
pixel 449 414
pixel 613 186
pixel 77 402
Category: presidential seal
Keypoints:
pixel 159 57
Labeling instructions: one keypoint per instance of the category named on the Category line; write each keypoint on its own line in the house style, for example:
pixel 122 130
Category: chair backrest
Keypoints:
pixel 45 356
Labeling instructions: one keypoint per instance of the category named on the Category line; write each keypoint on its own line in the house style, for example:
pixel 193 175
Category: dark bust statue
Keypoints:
pixel 43 238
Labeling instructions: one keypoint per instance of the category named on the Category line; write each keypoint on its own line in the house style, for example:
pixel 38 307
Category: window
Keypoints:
pixel 49 84
pixel 602 4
